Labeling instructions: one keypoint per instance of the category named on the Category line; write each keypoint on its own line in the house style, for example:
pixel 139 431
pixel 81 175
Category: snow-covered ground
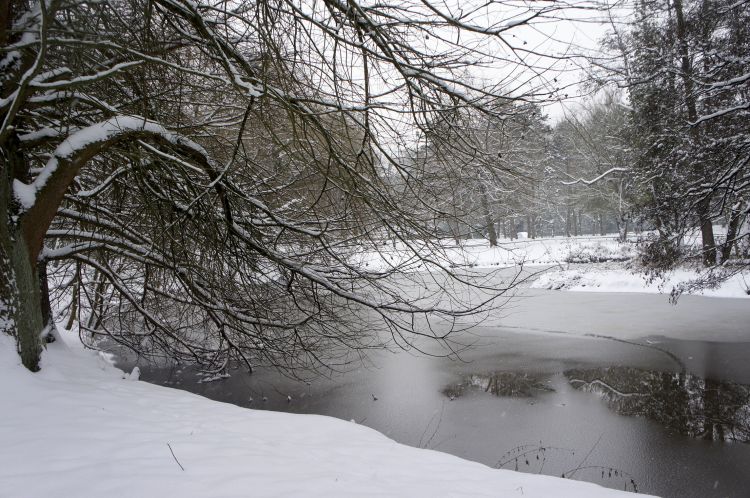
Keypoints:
pixel 82 428
pixel 477 253
pixel 590 278
pixel 576 262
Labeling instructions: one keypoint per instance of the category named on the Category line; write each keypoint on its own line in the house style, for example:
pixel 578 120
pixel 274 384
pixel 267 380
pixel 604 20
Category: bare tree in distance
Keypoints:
pixel 484 168
pixel 598 140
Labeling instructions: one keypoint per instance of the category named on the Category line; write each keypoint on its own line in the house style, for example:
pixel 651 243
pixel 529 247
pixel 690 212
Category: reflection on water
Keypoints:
pixel 683 402
pixel 515 384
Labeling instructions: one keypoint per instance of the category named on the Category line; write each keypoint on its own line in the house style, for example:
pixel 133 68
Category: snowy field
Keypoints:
pixel 476 253
pixel 610 279
pixel 82 428
pixel 585 263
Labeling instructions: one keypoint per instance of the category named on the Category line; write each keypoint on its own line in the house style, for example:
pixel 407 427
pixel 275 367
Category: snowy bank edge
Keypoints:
pixel 78 428
pixel 621 280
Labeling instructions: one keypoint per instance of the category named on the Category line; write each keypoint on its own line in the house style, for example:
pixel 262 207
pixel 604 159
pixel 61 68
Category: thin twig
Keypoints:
pixel 573 471
pixel 175 457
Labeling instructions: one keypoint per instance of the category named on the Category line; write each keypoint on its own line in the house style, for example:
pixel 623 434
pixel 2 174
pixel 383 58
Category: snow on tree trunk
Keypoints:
pixel 20 307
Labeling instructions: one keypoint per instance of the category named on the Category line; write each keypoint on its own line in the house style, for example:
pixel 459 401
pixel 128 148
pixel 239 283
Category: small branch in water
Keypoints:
pixel 429 424
pixel 175 457
pixel 573 471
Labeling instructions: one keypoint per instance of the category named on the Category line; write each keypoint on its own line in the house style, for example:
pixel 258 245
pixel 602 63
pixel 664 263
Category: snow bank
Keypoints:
pixel 82 428
pixel 477 253
pixel 592 279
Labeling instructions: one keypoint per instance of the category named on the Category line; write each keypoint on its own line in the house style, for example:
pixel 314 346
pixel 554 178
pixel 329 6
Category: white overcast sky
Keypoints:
pixel 577 33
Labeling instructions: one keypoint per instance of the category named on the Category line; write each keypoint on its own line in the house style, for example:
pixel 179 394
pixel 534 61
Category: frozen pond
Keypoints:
pixel 548 392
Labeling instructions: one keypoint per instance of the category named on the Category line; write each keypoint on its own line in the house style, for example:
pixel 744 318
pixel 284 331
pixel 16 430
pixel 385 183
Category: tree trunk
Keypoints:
pixel 735 215
pixel 75 299
pixel 622 228
pixel 686 67
pixel 707 233
pixel 20 306
pixel 48 322
pixel 489 222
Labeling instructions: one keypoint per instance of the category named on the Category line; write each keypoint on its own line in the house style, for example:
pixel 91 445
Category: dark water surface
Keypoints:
pixel 663 416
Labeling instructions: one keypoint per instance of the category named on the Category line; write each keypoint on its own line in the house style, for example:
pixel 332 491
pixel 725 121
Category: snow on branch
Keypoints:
pixel 600 177
pixel 85 138
pixel 739 80
pixel 722 112
pixel 41 81
pixel 39 200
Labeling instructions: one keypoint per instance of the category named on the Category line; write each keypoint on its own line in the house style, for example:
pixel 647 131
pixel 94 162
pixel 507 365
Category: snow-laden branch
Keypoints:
pixel 42 82
pixel 86 138
pixel 598 178
pixel 722 112
pixel 39 200
pixel 739 80
pixel 16 99
pixel 456 21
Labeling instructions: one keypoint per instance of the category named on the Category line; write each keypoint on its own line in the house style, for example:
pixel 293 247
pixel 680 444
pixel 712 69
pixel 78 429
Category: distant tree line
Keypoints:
pixel 663 145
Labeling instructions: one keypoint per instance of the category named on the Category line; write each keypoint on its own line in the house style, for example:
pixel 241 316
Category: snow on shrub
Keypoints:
pixel 599 253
